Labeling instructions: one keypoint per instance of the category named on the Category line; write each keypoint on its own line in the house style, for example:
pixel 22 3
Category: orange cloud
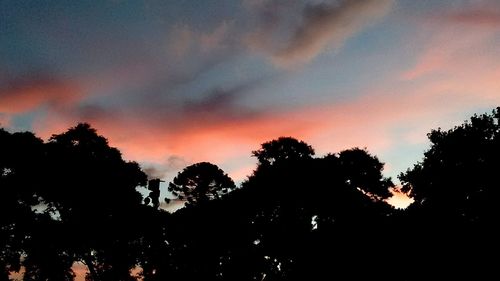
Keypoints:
pixel 368 121
pixel 23 95
pixel 365 121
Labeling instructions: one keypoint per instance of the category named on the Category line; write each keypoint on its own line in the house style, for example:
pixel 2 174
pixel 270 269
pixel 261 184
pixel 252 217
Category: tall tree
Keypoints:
pixel 93 192
pixel 201 182
pixel 21 156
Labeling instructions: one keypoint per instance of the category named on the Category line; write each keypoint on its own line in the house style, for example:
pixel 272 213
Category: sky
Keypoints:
pixel 172 83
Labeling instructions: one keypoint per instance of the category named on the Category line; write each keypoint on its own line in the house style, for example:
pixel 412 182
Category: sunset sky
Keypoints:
pixel 171 83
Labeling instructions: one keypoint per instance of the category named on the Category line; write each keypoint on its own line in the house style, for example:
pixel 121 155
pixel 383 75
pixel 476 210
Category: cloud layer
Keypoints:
pixel 329 25
pixel 206 92
pixel 27 93
pixel 322 26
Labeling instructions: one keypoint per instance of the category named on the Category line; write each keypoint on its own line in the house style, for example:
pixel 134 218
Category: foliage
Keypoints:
pixel 284 148
pixel 297 217
pixel 201 182
pixel 457 177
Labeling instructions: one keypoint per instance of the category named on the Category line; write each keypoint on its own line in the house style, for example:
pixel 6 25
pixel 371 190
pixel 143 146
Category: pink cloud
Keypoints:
pixel 23 95
pixel 451 46
pixel 367 121
pixel 454 72
pixel 484 17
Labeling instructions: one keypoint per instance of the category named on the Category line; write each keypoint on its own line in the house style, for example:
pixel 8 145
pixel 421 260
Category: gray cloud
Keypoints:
pixel 166 170
pixel 323 25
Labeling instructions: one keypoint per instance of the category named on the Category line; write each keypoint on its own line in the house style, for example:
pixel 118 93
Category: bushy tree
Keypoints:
pixel 293 216
pixel 201 182
pixel 93 191
pixel 21 156
pixel 70 199
pixel 456 212
pixel 283 148
pixel 458 177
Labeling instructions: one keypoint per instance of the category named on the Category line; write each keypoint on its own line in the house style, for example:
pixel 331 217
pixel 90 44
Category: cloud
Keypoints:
pixel 166 169
pixel 322 26
pixel 165 126
pixel 4 120
pixel 211 129
pixel 185 41
pixel 454 49
pixel 27 93
pixel 181 40
pixel 326 25
pixel 482 17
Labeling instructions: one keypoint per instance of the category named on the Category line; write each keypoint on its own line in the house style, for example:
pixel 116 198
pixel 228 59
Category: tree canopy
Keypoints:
pixel 457 176
pixel 283 148
pixel 201 182
pixel 74 199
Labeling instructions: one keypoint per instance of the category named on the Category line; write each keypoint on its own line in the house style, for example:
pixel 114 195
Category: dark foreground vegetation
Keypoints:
pixel 297 217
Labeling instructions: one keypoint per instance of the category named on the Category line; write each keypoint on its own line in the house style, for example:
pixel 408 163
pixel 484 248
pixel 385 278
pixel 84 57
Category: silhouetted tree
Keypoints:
pixel 284 148
pixel 456 212
pixel 21 156
pixel 458 177
pixel 364 171
pixel 294 218
pixel 201 182
pixel 93 192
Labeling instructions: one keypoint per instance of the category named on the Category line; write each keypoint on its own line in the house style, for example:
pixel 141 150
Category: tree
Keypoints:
pixel 284 148
pixel 364 171
pixel 201 182
pixel 70 199
pixel 20 162
pixel 93 192
pixel 299 217
pixel 458 177
pixel 456 188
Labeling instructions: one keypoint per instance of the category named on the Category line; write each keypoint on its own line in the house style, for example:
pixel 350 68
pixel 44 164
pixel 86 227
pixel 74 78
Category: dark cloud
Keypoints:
pixel 324 24
pixel 327 25
pixel 223 102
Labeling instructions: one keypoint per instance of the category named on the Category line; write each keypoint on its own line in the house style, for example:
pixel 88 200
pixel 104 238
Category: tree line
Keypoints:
pixel 74 199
